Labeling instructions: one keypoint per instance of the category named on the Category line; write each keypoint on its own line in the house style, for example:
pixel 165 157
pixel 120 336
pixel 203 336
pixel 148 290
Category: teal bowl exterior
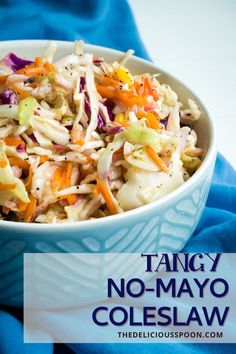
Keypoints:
pixel 162 226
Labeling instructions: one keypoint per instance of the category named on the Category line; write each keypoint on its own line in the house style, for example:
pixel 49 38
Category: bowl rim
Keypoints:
pixel 134 213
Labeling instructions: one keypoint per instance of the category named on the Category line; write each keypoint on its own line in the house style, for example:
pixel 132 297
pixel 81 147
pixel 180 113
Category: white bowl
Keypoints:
pixel 162 226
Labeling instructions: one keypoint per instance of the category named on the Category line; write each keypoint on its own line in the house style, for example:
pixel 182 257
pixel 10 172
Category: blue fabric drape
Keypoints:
pixel 110 23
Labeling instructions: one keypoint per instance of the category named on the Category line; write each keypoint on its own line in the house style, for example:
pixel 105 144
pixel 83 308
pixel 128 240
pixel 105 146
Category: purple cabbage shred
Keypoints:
pixel 32 137
pixel 165 121
pixel 100 123
pixel 8 97
pixel 97 61
pixel 14 62
pixel 109 105
pixel 20 148
pixel 87 107
pixel 115 130
pixel 82 84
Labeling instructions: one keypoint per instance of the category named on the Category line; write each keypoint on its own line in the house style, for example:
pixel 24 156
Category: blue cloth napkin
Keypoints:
pixel 110 23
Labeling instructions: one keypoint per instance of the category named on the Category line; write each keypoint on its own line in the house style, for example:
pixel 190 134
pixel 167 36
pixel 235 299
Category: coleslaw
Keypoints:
pixel 81 138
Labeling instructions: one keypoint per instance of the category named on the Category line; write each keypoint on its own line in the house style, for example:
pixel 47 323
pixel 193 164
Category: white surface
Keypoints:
pixel 195 40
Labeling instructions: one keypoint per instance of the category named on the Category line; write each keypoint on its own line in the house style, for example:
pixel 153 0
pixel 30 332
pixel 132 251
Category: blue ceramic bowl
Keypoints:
pixel 162 226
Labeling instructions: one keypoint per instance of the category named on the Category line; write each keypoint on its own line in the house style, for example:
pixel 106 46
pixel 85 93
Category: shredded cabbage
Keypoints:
pixel 82 138
pixel 7 177
pixel 9 111
pixel 138 133
pixel 51 129
pixel 50 51
pixel 105 161
pixel 143 187
pixel 137 156
pixel 94 104
pixel 27 107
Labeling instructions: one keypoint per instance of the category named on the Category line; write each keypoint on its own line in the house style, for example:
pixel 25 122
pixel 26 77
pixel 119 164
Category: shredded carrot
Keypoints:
pixel 152 120
pixel 124 95
pixel 79 142
pixel 65 179
pixel 28 180
pixel 128 98
pixel 31 71
pixel 70 198
pixel 106 91
pixel 30 211
pixel 137 86
pixel 96 190
pixel 62 177
pixel 3 164
pixel 38 61
pixel 141 114
pixel 23 94
pixel 68 174
pixel 106 195
pixel 106 80
pixel 63 183
pixel 3 79
pixel 25 69
pixel 5 210
pixel 150 87
pixel 62 180
pixel 22 206
pixel 146 88
pixel 156 159
pixel 14 141
pixel 48 67
pixel 136 100
pixel 57 178
pixel 16 161
pixel 90 159
pixel 43 158
pixel 6 187
pixel 36 68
